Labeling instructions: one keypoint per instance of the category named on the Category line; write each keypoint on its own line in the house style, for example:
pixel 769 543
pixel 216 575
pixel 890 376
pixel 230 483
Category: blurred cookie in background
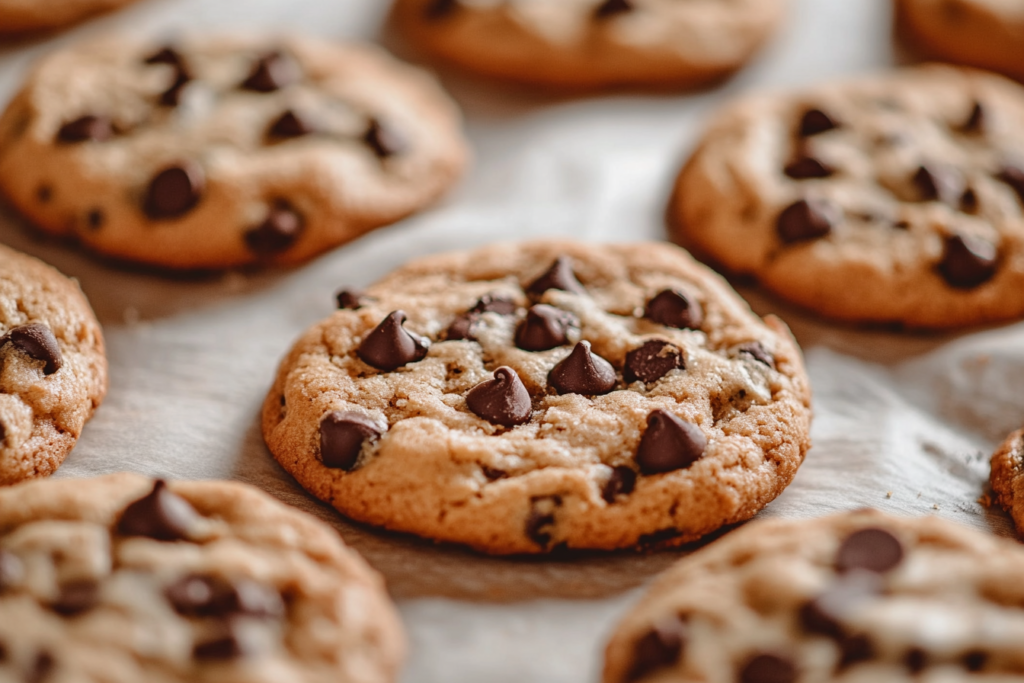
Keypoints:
pixel 24 16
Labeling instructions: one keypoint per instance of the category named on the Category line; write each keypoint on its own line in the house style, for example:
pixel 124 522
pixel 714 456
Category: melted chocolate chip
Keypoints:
pixel 278 233
pixel 969 201
pixel 390 346
pixel 825 614
pixel 383 139
pixel 166 55
pixel 582 372
pixel 494 303
pixel 439 9
pixel 76 598
pixel 200 595
pixel 351 299
pixel 975 660
pixel 916 659
pixel 815 122
pixel 545 327
pixel 1014 177
pixel 620 483
pixel 12 570
pixel 768 668
pixel 807 219
pixel 871 549
pixel 230 643
pixel 968 261
pixel 669 443
pixel 175 191
pixel 493 473
pixel 462 328
pixel 652 361
pixel 805 167
pixel 161 514
pixel 758 352
pixel 271 72
pixel 290 124
pixel 342 435
pixel 37 341
pixel 559 276
pixel 938 183
pixel 675 308
pixel 502 401
pixel 855 649
pixel 659 648
pixel 94 128
pixel 541 519
pixel 611 8
pixel 975 122
pixel 172 96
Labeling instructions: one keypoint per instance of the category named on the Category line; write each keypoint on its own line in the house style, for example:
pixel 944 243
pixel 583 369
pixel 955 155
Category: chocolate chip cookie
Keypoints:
pixel 53 367
pixel 984 33
pixel 525 397
pixel 860 596
pixel 580 44
pixel 121 578
pixel 896 198
pixel 219 152
pixel 1007 477
pixel 18 16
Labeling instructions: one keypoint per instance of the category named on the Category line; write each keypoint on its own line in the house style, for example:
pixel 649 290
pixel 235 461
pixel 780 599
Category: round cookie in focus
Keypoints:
pixel 20 16
pixel 897 198
pixel 1007 477
pixel 860 596
pixel 53 367
pixel 984 33
pixel 525 397
pixel 121 578
pixel 588 44
pixel 223 151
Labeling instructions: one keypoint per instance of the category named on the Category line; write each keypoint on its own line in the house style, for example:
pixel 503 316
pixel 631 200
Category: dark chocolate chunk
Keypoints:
pixel 545 327
pixel 652 361
pixel 95 219
pixel 805 167
pixel 825 614
pixel 349 298
pixel 669 443
pixel 975 660
pixel 166 55
pixel 94 128
pixel 200 595
pixel 814 122
pixel 342 435
pixel 494 303
pixel 11 569
pixel 37 341
pixel 916 659
pixel 768 668
pixel 871 549
pixel 758 352
pixel 271 72
pixel 938 183
pixel 975 122
pixel 439 9
pixel 230 643
pixel 175 191
pixel 582 372
pixel 541 519
pixel 611 8
pixel 383 139
pixel 855 649
pixel 675 308
pixel 290 125
pixel 389 346
pixel 659 648
pixel 807 219
pixel 968 261
pixel 502 401
pixel 621 483
pixel 76 597
pixel 278 233
pixel 559 276
pixel 1014 177
pixel 161 514
pixel 43 667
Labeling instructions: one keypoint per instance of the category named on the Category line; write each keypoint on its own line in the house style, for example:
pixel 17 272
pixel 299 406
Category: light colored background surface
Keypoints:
pixel 904 423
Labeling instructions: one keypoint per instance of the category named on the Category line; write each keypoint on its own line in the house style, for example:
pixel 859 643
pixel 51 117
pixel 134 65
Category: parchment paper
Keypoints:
pixel 903 423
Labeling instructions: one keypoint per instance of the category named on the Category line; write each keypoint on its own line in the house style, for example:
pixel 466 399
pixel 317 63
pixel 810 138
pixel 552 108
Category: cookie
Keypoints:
pixel 121 579
pixel 1007 477
pixel 587 44
pixel 860 596
pixel 984 33
pixel 53 367
pixel 525 397
pixel 223 151
pixel 18 16
pixel 896 199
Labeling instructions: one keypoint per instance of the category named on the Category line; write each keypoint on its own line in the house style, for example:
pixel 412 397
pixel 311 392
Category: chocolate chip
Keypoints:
pixel 383 139
pixel 610 8
pixel 172 96
pixel 855 649
pixel 271 72
pixel 439 9
pixel 758 352
pixel 390 346
pixel 659 648
pixel 807 219
pixel 975 122
pixel 200 595
pixel 37 341
pixel 975 660
pixel 91 128
pixel 620 483
pixel 805 167
pixel 669 443
pixel 76 597
pixel 166 55
pixel 175 191
pixel 545 327
pixel 493 473
pixel 503 400
pixel 494 303
pixel 559 276
pixel 11 570
pixel 342 435
pixel 351 299
pixel 161 514
pixel 44 193
pixel 814 122
pixel 582 372
pixel 969 201
pixel 541 519
pixel 1014 177
pixel 95 219
pixel 825 614
pixel 675 308
pixel 462 327
pixel 652 361
pixel 768 668
pixel 290 125
pixel 230 643
pixel 967 261
pixel 935 182
pixel 871 549
pixel 43 667
pixel 916 660
pixel 278 233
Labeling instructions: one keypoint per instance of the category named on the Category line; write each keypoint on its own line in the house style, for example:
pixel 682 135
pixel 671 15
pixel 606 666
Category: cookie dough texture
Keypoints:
pixel 988 34
pixel 771 598
pixel 221 151
pixel 254 590
pixel 901 169
pixel 18 16
pixel 41 414
pixel 1007 477
pixel 591 43
pixel 443 472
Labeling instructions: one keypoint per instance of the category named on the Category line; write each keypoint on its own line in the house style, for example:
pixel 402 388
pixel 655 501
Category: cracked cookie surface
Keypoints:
pixel 591 43
pixel 53 367
pixel 896 198
pixel 18 16
pixel 122 579
pixel 523 397
pixel 860 596
pixel 225 150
